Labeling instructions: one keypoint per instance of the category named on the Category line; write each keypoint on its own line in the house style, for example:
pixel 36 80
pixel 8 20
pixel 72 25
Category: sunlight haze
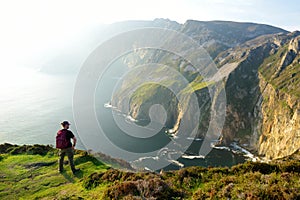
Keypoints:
pixel 30 28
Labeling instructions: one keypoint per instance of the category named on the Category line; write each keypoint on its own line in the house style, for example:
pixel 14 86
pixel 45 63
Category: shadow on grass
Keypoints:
pixel 69 178
pixel 88 158
pixel 79 174
pixel 39 164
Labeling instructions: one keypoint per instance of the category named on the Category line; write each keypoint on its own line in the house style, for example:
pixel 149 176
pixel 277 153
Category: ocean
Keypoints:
pixel 33 104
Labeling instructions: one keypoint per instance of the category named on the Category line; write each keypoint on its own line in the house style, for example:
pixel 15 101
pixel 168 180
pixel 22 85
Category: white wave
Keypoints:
pixel 196 139
pixel 145 158
pixel 245 152
pixel 221 148
pixel 193 157
pixel 148 169
pixel 164 154
pixel 240 149
pixel 108 105
pixel 171 131
pixel 175 162
pixel 234 151
pixel 128 117
pixel 174 136
pixel 171 134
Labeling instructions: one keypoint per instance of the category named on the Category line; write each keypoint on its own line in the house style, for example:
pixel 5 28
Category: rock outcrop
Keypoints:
pixel 261 73
pixel 280 123
pixel 280 105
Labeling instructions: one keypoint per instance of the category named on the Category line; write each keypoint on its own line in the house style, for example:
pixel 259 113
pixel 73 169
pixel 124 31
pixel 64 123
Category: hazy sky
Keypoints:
pixel 28 26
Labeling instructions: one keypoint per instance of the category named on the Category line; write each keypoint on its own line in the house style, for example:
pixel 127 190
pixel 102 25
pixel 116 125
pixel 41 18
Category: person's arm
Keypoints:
pixel 74 141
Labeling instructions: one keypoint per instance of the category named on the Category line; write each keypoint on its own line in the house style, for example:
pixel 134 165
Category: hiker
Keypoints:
pixel 63 143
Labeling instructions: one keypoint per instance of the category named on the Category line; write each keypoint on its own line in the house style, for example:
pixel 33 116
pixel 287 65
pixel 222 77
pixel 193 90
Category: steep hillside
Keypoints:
pixel 217 36
pixel 280 104
pixel 263 93
pixel 260 69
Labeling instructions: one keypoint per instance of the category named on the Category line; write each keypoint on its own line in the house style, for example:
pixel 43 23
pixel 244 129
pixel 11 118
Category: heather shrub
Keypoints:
pixel 263 168
pixel 290 166
pixel 147 189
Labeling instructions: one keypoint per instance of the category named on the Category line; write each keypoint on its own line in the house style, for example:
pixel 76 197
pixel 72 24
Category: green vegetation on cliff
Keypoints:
pixel 30 172
pixel 282 70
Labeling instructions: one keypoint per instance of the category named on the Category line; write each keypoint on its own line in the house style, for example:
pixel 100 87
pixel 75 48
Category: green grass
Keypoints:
pixel 195 86
pixel 289 78
pixel 22 178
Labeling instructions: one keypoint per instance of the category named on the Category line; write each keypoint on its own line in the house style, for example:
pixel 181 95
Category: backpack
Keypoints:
pixel 61 139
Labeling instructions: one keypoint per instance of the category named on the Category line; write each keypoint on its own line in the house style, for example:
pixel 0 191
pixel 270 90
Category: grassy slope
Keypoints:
pixel 289 79
pixel 21 178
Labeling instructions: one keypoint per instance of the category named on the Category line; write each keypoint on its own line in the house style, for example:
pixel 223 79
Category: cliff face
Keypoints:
pixel 261 68
pixel 242 94
pixel 280 123
pixel 263 96
pixel 279 109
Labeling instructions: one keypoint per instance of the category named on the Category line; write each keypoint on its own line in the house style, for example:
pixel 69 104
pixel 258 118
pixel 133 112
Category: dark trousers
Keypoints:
pixel 70 153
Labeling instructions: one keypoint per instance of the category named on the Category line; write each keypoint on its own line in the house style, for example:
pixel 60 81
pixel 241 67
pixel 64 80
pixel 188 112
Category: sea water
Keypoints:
pixel 32 104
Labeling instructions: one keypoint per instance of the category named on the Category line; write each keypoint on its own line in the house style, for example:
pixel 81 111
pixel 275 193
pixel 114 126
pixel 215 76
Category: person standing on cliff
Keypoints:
pixel 63 143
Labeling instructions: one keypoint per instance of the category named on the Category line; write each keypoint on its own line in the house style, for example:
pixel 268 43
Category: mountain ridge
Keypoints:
pixel 98 35
pixel 242 51
pixel 249 49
